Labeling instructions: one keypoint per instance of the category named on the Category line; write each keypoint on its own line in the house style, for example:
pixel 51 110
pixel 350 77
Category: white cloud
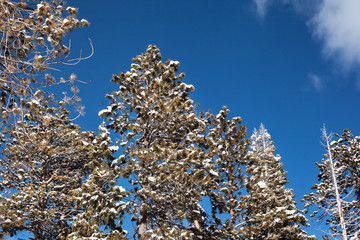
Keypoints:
pixel 316 82
pixel 261 7
pixel 337 24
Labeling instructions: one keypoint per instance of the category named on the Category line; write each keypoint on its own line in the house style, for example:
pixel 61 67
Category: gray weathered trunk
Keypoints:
pixel 337 194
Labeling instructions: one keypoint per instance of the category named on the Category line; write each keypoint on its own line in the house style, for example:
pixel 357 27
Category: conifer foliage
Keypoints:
pixel 99 199
pixel 43 157
pixel 227 147
pixel 161 140
pixel 336 197
pixel 270 211
pixel 31 40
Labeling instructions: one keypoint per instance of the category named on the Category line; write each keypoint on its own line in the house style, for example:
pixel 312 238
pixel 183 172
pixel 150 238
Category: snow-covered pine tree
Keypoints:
pixel 33 124
pixel 337 195
pixel 347 150
pixel 227 146
pixel 99 200
pixel 43 158
pixel 31 40
pixel 270 211
pixel 161 140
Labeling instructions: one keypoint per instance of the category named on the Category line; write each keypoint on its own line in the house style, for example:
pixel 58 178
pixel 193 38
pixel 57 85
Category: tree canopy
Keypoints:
pixel 158 168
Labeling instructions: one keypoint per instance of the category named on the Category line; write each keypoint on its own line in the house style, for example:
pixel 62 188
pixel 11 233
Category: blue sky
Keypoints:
pixel 292 65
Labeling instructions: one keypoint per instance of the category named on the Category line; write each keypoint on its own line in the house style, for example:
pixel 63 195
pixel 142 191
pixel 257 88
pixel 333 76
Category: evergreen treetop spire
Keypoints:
pixel 269 209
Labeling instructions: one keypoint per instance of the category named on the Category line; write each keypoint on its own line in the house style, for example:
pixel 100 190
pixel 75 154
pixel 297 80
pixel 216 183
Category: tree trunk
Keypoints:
pixel 197 225
pixel 232 210
pixel 142 221
pixel 333 175
pixel 232 219
pixel 38 235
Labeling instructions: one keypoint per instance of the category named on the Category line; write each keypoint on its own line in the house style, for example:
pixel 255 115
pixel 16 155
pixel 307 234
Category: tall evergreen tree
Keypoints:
pixel 337 195
pixel 227 146
pixel 161 139
pixel 43 157
pixel 347 151
pixel 270 211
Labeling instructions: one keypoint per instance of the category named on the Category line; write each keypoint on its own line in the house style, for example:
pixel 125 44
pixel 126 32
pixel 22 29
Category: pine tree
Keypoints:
pixel 31 40
pixel 102 203
pixel 227 147
pixel 43 155
pixel 337 195
pixel 100 199
pixel 347 151
pixel 43 158
pixel 161 140
pixel 270 211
